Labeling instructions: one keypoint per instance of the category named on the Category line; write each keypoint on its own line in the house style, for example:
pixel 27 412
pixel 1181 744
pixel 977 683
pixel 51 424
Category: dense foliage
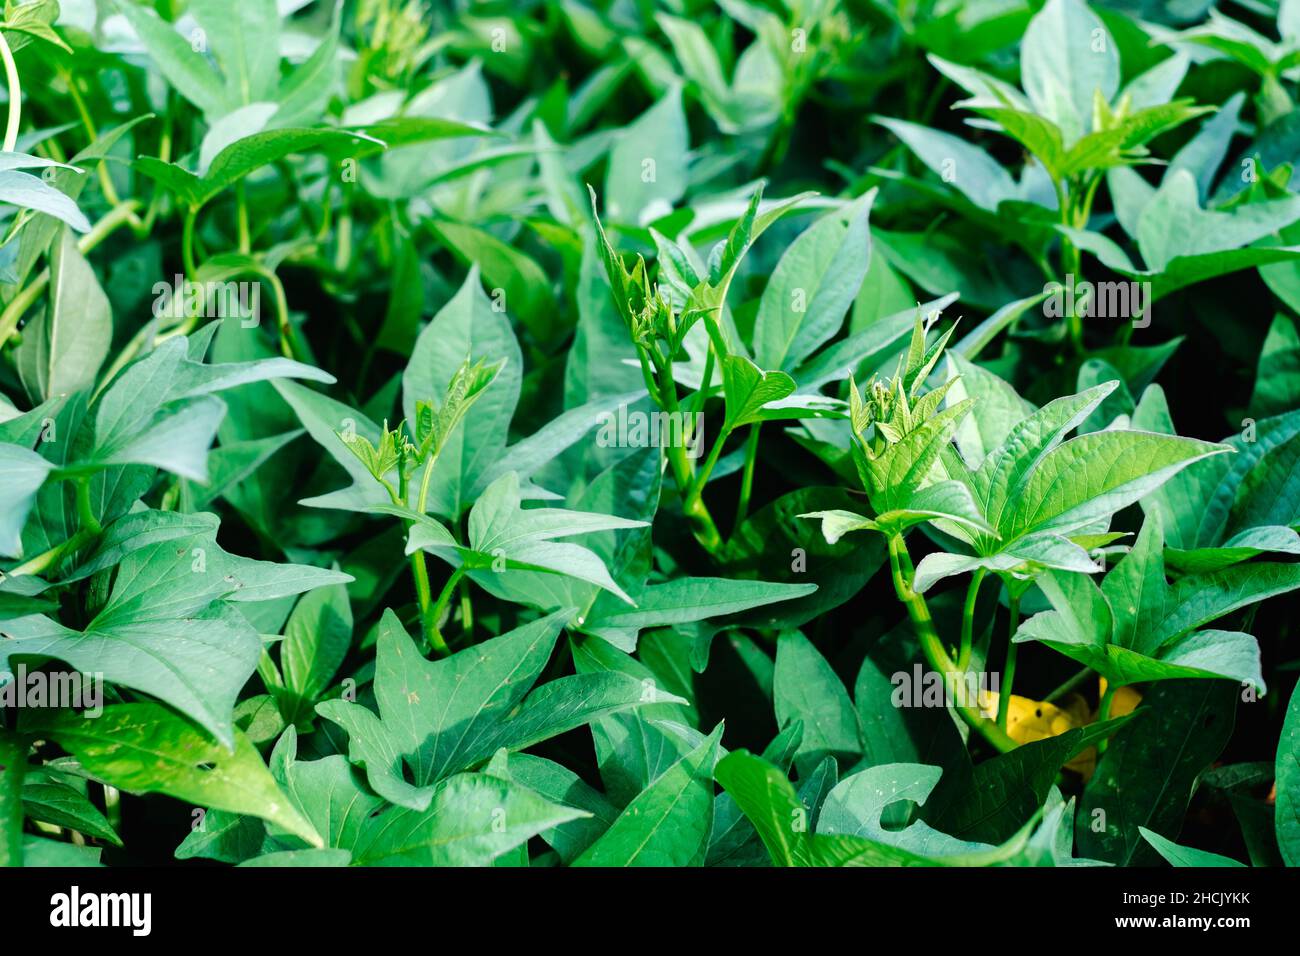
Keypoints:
pixel 597 432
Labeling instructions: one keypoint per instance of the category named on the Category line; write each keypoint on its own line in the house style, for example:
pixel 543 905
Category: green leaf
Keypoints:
pixel 160 410
pixel 34 193
pixel 647 163
pixel 185 69
pixel 686 600
pixel 1287 813
pixel 635 747
pixel 316 640
pixel 1179 730
pixel 768 800
pixel 144 748
pixel 1277 382
pixel 504 536
pixel 1093 476
pixel 168 628
pixel 22 473
pixel 65 345
pixel 470 819
pixel 807 690
pixel 330 423
pixel 248 154
pixel 561 785
pixel 525 286
pixel 749 389
pixel 997 797
pixel 1184 855
pixel 440 717
pixel 1068 57
pixel 466 328
pixel 667 824
pixel 978 176
pixel 49 798
pixel 855 806
pixel 812 287
pixel 245 39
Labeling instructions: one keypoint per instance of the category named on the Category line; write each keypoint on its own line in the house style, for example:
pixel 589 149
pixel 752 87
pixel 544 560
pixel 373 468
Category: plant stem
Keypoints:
pixel 89 528
pixel 423 593
pixel 1009 669
pixel 288 345
pixel 702 394
pixel 932 647
pixel 747 476
pixel 15 95
pixel 435 614
pixel 187 242
pixel 1103 713
pixel 13 758
pixel 1068 686
pixel 649 378
pixel 86 510
pixel 689 485
pixel 113 220
pixel 466 609
pixel 241 217
pixel 968 618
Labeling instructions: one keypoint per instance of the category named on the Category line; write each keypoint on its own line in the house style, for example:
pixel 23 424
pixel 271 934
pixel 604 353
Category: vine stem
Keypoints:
pixel 932 647
pixel 15 95
pixel 1068 686
pixel 89 528
pixel 13 758
pixel 689 484
pixel 1009 669
pixel 436 612
pixel 187 242
pixel 1103 712
pixel 968 618
pixel 747 476
pixel 112 221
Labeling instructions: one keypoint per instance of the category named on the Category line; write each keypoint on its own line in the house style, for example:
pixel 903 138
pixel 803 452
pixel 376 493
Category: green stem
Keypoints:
pixel 696 489
pixel 85 509
pixel 13 767
pixel 689 485
pixel 420 571
pixel 241 217
pixel 435 614
pixel 702 395
pixel 932 647
pixel 187 242
pixel 288 344
pixel 89 529
pixel 466 609
pixel 113 806
pixel 1068 686
pixel 968 618
pixel 1103 713
pixel 15 95
pixel 747 476
pixel 113 220
pixel 649 378
pixel 343 247
pixel 1009 669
